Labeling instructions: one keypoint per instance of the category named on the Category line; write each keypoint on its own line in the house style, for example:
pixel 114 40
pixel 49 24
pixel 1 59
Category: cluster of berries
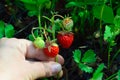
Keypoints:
pixel 65 39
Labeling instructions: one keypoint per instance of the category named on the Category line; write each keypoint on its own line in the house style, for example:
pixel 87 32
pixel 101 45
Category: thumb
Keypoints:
pixel 44 69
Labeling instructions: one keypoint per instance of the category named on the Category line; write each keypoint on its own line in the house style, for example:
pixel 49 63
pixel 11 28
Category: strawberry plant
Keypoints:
pixel 110 34
pixel 89 57
pixel 85 32
pixel 98 74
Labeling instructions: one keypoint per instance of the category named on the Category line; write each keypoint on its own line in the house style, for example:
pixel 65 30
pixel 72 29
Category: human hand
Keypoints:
pixel 14 63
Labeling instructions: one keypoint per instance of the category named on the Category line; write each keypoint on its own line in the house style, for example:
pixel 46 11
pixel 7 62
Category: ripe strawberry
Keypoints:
pixel 65 39
pixel 51 50
pixel 39 42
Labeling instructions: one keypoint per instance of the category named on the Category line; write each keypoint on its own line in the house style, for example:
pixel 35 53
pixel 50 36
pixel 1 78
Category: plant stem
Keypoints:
pixel 101 39
pixel 39 16
pixel 116 54
pixel 109 57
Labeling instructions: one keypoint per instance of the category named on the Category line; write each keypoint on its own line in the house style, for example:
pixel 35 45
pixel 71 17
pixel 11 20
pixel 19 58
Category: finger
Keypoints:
pixel 44 69
pixel 33 52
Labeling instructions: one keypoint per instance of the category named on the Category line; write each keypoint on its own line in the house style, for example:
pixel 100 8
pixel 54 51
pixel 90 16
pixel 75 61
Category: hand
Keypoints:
pixel 16 63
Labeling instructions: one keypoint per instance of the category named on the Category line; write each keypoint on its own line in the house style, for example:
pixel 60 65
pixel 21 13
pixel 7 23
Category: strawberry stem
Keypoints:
pixel 33 32
pixel 58 16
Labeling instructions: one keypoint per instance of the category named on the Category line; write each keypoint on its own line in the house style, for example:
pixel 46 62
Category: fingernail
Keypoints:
pixel 56 68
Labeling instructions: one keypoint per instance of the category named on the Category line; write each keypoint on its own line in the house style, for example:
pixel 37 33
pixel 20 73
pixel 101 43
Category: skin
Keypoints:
pixel 20 60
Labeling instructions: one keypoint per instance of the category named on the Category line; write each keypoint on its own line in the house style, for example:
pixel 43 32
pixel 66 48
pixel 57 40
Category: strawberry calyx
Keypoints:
pixel 65 32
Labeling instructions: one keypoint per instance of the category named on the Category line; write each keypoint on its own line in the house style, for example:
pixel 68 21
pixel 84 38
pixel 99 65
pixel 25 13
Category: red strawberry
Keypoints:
pixel 65 39
pixel 51 50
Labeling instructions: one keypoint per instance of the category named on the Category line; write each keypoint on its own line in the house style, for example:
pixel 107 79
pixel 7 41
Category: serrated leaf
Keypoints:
pixel 77 56
pixel 98 74
pixel 9 31
pixel 104 13
pixel 2 29
pixel 85 68
pixel 76 4
pixel 89 57
pixel 119 75
pixel 117 22
pixel 107 33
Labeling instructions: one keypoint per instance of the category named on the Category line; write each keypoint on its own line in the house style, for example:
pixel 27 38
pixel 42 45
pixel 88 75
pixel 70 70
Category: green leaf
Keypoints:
pixel 42 1
pixel 31 7
pixel 49 30
pixel 76 4
pixel 118 11
pixel 89 57
pixel 30 37
pixel 29 1
pixel 9 31
pixel 2 28
pixel 107 33
pixel 85 68
pixel 98 74
pixel 32 13
pixel 119 75
pixel 54 28
pixel 35 34
pixel 104 13
pixel 117 21
pixel 1 36
pixel 58 24
pixel 77 56
pixel 93 1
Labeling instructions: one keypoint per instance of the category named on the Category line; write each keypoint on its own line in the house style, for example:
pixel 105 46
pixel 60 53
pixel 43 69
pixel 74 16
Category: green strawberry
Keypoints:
pixel 68 23
pixel 39 42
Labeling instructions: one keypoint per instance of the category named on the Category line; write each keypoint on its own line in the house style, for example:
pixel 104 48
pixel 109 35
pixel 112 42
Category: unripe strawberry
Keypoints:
pixel 52 50
pixel 68 23
pixel 39 42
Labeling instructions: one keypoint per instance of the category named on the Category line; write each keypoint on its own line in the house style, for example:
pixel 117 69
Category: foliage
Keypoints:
pixel 107 13
pixel 34 6
pixel 83 61
pixel 98 74
pixel 118 74
pixel 110 35
pixel 6 30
